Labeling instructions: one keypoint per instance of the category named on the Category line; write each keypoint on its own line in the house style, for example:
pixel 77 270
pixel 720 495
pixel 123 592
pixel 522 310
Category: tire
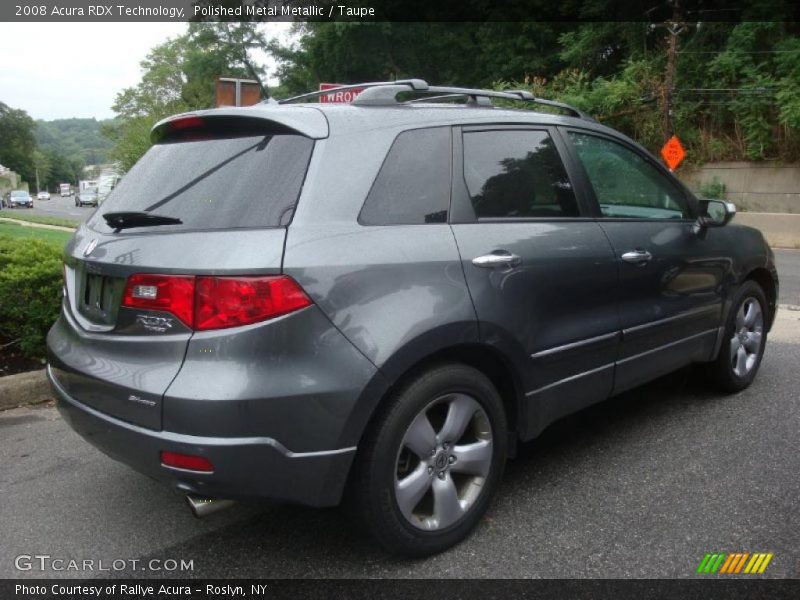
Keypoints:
pixel 387 473
pixel 744 338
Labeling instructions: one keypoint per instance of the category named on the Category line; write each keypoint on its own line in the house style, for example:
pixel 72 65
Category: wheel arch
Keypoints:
pixel 765 280
pixel 482 357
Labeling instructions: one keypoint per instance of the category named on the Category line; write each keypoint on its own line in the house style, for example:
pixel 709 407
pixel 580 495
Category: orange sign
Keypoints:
pixel 673 153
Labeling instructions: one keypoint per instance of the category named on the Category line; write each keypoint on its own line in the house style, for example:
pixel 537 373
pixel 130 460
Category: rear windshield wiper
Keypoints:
pixel 126 220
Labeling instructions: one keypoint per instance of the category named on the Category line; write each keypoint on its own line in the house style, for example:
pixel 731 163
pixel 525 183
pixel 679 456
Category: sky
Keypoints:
pixel 59 71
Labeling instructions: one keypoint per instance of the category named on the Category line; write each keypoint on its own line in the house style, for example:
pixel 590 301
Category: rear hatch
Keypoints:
pixel 233 185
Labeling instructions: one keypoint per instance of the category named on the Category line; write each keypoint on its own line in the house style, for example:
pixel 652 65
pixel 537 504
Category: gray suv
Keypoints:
pixel 377 301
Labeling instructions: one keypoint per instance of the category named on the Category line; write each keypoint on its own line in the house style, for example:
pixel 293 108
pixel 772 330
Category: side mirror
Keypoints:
pixel 714 213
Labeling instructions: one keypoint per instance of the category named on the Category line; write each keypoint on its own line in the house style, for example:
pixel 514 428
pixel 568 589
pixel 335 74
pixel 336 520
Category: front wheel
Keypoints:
pixel 743 341
pixel 429 466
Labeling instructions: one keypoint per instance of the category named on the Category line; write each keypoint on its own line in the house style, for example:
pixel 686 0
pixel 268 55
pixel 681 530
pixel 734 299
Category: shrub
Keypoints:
pixel 713 190
pixel 30 291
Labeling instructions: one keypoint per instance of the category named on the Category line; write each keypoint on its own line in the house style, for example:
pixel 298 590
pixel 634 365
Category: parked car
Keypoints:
pixel 43 195
pixel 389 297
pixel 86 197
pixel 20 198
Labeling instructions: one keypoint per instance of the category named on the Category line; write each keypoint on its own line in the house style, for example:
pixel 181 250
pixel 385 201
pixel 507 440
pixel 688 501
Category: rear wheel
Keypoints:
pixel 429 466
pixel 743 342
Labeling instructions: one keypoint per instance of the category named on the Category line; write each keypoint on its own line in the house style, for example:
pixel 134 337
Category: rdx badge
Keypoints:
pixel 158 324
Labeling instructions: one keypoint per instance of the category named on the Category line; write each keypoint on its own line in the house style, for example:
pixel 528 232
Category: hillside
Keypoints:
pixel 81 138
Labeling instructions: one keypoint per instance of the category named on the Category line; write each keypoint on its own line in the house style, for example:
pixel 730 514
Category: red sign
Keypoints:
pixel 340 97
pixel 673 153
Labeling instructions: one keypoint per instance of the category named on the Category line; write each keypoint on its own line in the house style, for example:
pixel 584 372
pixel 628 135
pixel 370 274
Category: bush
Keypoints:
pixel 713 190
pixel 30 291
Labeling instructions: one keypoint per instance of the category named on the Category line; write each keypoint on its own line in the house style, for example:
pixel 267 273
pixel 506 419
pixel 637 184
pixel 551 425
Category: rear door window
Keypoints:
pixel 219 182
pixel 413 185
pixel 516 174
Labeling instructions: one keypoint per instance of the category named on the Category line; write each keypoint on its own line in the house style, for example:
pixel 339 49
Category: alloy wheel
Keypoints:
pixel 747 337
pixel 443 462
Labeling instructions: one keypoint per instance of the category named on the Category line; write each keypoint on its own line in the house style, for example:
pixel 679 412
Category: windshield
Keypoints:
pixel 19 194
pixel 215 183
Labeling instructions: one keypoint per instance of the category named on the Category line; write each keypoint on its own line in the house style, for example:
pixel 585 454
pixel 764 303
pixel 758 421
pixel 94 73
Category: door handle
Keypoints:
pixel 637 257
pixel 498 258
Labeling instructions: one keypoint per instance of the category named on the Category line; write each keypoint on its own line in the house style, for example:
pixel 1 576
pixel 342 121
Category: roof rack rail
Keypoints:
pixel 384 93
pixel 418 85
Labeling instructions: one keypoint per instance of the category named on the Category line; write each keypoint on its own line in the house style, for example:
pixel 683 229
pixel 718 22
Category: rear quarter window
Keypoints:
pixel 241 181
pixel 413 184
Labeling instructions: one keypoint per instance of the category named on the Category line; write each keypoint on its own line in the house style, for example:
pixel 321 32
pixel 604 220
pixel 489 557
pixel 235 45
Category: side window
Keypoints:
pixel 625 184
pixel 516 173
pixel 413 185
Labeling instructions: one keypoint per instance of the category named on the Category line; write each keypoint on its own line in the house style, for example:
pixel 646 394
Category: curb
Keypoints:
pixel 32 224
pixel 24 388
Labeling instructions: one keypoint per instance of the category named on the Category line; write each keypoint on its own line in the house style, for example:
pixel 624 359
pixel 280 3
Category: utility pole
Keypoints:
pixel 674 28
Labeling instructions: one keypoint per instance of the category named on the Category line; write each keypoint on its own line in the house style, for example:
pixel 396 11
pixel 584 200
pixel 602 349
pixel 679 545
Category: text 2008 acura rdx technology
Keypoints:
pixel 294 300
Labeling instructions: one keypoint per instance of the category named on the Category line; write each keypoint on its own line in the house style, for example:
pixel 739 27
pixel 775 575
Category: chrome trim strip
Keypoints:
pixel 684 315
pixel 573 345
pixel 665 346
pixel 570 378
pixel 182 438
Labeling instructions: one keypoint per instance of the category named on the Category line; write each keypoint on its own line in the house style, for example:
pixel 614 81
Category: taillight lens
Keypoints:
pixel 231 301
pixel 170 293
pixel 205 303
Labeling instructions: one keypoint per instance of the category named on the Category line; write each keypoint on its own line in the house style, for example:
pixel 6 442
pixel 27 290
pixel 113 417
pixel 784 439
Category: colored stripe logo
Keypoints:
pixel 734 563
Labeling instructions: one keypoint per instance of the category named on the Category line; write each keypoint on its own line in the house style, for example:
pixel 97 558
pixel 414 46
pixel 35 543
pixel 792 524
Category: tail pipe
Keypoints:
pixel 202 507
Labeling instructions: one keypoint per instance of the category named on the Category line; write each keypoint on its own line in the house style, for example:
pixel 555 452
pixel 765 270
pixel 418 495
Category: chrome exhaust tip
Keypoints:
pixel 202 507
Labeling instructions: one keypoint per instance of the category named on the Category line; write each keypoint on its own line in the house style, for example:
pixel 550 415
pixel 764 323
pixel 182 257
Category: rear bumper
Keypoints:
pixel 244 467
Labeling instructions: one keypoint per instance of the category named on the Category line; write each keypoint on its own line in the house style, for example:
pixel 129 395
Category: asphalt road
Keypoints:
pixel 641 486
pixel 788 262
pixel 57 206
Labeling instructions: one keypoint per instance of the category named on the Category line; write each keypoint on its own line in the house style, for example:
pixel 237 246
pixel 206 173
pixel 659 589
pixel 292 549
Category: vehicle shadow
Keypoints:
pixel 293 541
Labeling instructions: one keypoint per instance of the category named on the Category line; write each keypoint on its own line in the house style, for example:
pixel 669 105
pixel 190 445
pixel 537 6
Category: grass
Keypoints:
pixel 14 231
pixel 12 214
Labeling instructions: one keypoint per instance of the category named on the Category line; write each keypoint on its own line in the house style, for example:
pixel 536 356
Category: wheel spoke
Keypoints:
pixel 446 505
pixel 741 362
pixel 474 459
pixel 753 312
pixel 735 345
pixel 412 488
pixel 740 317
pixel 753 342
pixel 420 437
pixel 459 413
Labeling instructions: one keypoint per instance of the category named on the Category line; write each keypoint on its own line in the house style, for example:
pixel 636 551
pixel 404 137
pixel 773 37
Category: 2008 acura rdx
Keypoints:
pixel 292 300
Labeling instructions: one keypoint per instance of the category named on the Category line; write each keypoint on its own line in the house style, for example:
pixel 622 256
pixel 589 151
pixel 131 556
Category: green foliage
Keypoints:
pixel 178 76
pixel 79 141
pixel 17 142
pixel 30 291
pixel 713 190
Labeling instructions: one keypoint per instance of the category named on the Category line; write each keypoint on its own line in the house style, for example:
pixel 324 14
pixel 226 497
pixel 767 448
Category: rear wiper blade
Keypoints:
pixel 126 220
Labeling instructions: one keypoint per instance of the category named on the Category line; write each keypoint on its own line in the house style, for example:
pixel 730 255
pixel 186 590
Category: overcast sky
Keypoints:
pixel 63 70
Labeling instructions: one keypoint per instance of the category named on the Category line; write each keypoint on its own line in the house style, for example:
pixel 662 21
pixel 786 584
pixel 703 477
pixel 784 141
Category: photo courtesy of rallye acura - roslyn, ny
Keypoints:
pixel 375 302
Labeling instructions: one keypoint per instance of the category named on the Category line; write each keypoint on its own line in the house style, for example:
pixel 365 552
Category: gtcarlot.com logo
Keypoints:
pixel 734 563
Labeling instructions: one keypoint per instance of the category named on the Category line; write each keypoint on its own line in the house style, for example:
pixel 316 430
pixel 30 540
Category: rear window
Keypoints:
pixel 214 183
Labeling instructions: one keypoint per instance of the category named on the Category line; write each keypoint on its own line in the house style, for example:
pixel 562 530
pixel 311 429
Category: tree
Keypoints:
pixel 178 76
pixel 18 141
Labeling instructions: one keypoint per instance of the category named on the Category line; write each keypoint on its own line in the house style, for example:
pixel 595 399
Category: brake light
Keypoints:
pixel 204 303
pixel 189 462
pixel 188 122
pixel 169 293
pixel 231 301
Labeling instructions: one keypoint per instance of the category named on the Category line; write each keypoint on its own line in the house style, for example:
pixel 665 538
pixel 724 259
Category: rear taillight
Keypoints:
pixel 169 293
pixel 205 303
